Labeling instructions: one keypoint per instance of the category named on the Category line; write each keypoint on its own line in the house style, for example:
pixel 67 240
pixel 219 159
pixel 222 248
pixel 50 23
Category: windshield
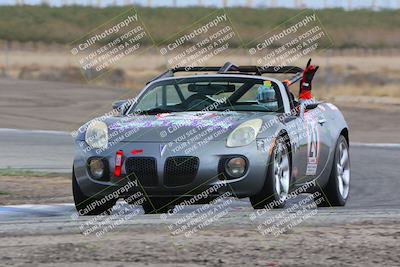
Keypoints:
pixel 210 93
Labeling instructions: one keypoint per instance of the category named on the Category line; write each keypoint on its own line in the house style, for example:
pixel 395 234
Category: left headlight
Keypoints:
pixel 97 135
pixel 244 134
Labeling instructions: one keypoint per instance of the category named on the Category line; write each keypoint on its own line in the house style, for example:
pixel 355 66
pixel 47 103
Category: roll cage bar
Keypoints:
pixel 229 68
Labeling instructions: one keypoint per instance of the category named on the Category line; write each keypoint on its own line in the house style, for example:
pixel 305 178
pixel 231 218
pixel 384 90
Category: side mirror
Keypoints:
pixel 307 106
pixel 120 105
pixel 312 105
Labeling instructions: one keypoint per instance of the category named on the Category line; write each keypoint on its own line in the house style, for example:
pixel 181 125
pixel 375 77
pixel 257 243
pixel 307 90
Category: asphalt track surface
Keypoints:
pixel 48 151
pixel 374 183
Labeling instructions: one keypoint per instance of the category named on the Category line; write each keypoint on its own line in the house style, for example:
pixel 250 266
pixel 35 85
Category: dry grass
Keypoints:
pixel 35 190
pixel 340 73
pixel 391 91
pixel 356 28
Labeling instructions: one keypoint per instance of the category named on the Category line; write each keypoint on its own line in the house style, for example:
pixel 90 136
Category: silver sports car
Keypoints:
pixel 210 131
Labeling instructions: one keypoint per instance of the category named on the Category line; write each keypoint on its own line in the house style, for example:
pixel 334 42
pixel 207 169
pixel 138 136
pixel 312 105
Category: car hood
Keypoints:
pixel 177 127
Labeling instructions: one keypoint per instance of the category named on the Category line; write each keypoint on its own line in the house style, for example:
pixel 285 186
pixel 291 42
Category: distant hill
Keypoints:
pixel 348 29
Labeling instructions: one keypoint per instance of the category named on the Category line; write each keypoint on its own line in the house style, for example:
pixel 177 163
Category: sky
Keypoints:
pixel 255 3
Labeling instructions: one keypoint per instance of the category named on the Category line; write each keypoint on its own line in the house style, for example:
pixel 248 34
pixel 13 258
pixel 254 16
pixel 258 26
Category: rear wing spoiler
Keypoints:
pixel 229 68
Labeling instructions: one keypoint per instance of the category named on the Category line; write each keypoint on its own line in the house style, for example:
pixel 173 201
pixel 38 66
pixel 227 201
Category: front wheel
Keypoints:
pixel 336 191
pixel 276 186
pixel 87 205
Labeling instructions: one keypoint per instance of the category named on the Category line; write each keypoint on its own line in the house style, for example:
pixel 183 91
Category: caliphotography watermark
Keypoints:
pixel 298 37
pixel 106 46
pixel 199 43
pixel 121 213
pixel 194 139
pixel 189 217
pixel 101 135
pixel 298 131
pixel 273 223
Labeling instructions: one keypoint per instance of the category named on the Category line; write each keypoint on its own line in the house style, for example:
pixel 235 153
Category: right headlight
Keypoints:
pixel 244 134
pixel 97 135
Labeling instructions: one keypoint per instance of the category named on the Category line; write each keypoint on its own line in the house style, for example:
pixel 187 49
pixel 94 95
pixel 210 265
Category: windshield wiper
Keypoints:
pixel 155 111
pixel 232 108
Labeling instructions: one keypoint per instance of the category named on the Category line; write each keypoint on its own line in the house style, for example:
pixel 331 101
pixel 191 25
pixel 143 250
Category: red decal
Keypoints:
pixel 161 115
pixel 137 151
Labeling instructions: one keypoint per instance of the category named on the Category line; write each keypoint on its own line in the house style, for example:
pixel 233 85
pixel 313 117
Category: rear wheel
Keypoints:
pixel 158 205
pixel 276 186
pixel 87 205
pixel 336 191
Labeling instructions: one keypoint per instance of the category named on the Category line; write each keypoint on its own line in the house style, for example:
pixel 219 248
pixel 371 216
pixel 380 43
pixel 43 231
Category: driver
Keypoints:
pixel 306 81
pixel 266 96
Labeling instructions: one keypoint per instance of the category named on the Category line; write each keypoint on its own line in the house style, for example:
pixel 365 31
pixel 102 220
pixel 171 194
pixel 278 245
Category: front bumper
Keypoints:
pixel 207 175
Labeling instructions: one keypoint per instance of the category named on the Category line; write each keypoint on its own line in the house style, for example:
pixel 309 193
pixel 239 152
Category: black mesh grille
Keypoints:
pixel 180 170
pixel 144 169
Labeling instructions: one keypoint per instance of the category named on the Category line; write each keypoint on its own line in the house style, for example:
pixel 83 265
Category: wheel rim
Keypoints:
pixel 281 172
pixel 343 170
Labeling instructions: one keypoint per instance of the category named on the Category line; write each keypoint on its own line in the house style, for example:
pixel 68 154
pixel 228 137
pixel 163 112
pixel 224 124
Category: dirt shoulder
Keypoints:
pixel 35 190
pixel 322 244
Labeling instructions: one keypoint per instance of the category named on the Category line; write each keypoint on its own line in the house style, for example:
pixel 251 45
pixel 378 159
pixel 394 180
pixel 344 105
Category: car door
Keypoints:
pixel 312 154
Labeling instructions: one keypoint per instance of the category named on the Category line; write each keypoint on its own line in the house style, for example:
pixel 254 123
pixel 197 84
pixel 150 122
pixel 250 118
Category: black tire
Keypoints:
pixel 268 196
pixel 84 203
pixel 158 205
pixel 330 193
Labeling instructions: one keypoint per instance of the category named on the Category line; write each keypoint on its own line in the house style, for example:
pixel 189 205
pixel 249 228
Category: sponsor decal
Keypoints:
pixel 137 151
pixel 162 115
pixel 172 120
pixel 313 147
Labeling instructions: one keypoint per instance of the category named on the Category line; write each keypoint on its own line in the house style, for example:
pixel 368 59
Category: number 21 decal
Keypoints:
pixel 313 148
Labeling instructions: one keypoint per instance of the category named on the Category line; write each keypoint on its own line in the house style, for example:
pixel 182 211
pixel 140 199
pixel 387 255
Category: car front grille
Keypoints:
pixel 180 170
pixel 142 168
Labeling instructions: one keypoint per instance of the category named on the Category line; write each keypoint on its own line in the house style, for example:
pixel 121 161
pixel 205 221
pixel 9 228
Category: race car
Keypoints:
pixel 207 131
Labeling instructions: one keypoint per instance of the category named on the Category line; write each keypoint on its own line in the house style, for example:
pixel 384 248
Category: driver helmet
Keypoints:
pixel 266 96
